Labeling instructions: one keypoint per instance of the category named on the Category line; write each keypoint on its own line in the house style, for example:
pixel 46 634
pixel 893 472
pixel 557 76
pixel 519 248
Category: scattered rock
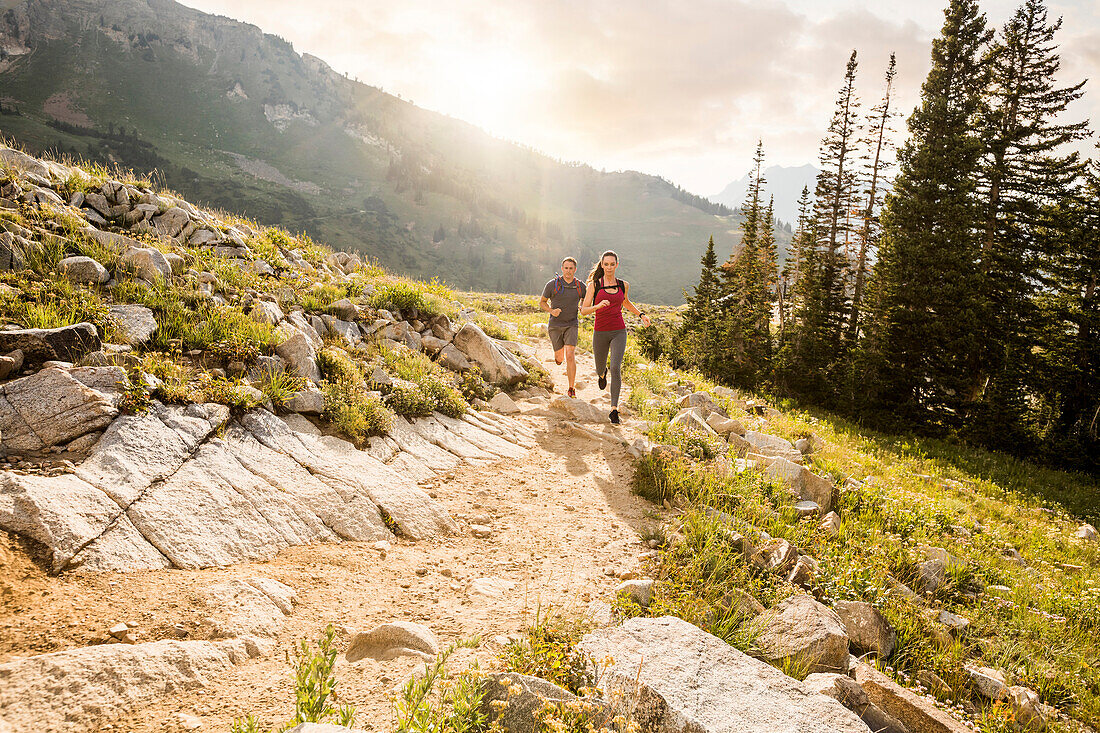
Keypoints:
pixel 50 408
pixel 989 683
pixel 691 419
pixel 265 311
pixel 724 425
pixel 682 680
pixel 776 555
pixel 807 508
pixel 848 693
pixel 146 263
pixel 953 621
pixel 498 365
pixel 525 698
pixel 503 404
pixel 80 269
pixel 38 345
pixel 1087 533
pixel 1026 708
pixel 393 640
pixel 933 683
pixel 481 531
pixel 867 629
pixel 806 632
pixel 704 402
pixel 578 410
pixel 830 524
pixel 489 587
pixel 309 401
pixel 640 591
pixel 134 323
pixel 299 351
pixel 919 714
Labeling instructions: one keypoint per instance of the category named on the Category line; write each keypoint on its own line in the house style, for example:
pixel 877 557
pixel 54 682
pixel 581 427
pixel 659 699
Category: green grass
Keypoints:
pixel 548 649
pixel 353 411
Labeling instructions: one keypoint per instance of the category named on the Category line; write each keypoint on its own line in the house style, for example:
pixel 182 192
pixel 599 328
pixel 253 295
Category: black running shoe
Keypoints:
pixel 614 417
pixel 603 381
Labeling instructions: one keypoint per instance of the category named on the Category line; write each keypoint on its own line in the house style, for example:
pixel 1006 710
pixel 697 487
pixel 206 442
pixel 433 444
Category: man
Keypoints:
pixel 561 298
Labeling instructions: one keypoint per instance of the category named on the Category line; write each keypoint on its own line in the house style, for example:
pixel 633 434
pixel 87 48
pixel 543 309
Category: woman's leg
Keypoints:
pixel 601 340
pixel 618 348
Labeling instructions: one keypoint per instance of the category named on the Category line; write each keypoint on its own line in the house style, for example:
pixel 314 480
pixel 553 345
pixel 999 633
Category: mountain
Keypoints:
pixel 785 183
pixel 234 118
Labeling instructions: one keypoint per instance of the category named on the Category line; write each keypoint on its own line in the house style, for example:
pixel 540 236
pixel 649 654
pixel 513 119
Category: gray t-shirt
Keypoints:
pixel 568 298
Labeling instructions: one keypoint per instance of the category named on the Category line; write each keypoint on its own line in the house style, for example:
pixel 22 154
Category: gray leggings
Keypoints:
pixel 615 341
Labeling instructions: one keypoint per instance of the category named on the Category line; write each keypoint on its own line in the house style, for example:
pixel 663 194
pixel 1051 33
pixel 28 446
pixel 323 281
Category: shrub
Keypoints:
pixel 354 411
pixel 548 650
pixel 336 365
pixel 406 296
pixel 456 710
pixel 279 387
pixel 474 387
pixel 409 401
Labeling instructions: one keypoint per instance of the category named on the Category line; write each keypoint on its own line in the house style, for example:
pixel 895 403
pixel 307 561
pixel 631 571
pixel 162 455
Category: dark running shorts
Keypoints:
pixel 562 337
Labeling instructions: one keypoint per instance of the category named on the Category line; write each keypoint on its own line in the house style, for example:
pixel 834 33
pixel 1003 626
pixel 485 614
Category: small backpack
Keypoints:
pixel 559 285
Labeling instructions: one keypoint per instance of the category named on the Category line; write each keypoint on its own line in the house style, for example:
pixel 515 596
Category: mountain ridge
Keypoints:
pixel 235 118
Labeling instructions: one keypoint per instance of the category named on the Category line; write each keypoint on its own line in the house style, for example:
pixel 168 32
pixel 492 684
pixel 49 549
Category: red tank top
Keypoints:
pixel 610 318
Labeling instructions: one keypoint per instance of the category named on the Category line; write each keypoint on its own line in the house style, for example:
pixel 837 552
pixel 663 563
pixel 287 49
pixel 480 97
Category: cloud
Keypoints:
pixel 683 89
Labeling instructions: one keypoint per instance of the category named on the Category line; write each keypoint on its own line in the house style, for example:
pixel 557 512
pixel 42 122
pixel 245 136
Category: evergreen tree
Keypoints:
pixel 748 278
pixel 1024 176
pixel 699 334
pixel 924 337
pixel 877 162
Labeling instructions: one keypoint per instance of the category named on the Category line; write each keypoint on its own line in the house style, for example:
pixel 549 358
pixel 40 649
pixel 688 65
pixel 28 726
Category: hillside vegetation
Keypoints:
pixel 236 119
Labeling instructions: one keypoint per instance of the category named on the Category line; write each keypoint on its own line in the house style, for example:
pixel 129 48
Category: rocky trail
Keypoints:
pixel 557 527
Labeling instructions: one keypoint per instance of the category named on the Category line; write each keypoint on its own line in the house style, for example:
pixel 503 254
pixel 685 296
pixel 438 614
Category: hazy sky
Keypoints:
pixel 680 88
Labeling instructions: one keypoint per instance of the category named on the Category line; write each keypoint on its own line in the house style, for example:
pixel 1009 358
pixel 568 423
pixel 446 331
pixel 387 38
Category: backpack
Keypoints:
pixel 559 285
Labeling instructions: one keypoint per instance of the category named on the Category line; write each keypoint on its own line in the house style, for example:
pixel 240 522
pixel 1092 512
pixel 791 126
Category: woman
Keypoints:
pixel 606 296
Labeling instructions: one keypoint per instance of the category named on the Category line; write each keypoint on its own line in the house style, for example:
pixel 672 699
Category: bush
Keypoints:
pixel 279 387
pixel 354 411
pixel 474 387
pixel 549 650
pixel 457 709
pixel 409 401
pixel 406 297
pixel 336 365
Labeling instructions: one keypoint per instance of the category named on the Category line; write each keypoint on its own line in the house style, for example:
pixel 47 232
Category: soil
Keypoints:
pixel 564 524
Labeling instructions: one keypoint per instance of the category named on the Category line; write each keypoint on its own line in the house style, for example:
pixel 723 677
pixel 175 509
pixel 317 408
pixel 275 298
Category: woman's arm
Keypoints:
pixel 587 308
pixel 630 306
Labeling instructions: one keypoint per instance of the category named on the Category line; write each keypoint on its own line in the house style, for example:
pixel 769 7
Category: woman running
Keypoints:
pixel 606 297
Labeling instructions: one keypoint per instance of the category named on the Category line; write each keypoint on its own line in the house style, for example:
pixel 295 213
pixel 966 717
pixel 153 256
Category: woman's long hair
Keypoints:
pixel 597 272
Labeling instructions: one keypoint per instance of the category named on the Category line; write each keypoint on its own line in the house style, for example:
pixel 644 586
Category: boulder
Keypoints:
pixel 691 420
pixel 867 629
pixel 80 269
pixel 134 323
pixel 393 640
pixel 640 591
pixel 266 311
pixel 704 402
pixel 848 693
pixel 50 408
pixel 772 445
pixel 67 343
pixel 453 359
pixel 776 555
pixel 1087 533
pixel 309 401
pixel 525 698
pixel 917 713
pixel 497 364
pixel 989 683
pixel 801 482
pixel 299 351
pixel 830 524
pixel 258 607
pixel 725 426
pixel 804 631
pixel 681 679
pixel 578 410
pixel 171 222
pixel 344 309
pixel 95 684
pixel 503 404
pixel 1027 710
pixel 146 263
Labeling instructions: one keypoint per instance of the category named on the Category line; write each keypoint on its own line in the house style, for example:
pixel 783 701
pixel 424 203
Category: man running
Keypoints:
pixel 561 298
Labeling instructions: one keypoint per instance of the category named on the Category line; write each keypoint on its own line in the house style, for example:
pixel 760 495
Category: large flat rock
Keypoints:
pixel 81 688
pixel 684 680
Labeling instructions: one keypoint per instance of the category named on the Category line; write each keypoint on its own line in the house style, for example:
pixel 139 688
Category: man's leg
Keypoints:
pixel 559 355
pixel 570 364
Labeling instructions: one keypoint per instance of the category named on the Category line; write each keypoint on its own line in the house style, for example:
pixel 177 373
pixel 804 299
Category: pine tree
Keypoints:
pixel 1024 175
pixel 877 162
pixel 928 301
pixel 789 276
pixel 743 351
pixel 699 332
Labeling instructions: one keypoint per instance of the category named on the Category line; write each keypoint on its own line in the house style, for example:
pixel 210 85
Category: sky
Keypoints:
pixel 677 88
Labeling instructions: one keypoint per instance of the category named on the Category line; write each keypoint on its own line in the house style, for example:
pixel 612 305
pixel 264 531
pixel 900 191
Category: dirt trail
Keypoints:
pixel 561 518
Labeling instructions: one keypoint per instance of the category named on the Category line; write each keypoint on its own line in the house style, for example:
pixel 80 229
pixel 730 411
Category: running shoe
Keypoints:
pixel 572 392
pixel 603 381
pixel 614 417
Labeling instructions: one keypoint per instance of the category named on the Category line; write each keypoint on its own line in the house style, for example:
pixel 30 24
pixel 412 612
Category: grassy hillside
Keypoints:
pixel 235 119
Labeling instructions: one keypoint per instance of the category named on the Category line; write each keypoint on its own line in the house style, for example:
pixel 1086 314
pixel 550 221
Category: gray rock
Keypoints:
pixel 724 425
pixel 310 401
pixel 805 631
pixel 38 345
pixel 266 311
pixel 953 621
pixel 989 683
pixel 704 402
pixel 97 684
pixel 867 628
pixel 503 404
pixel 691 419
pixel 497 364
pixel 801 482
pixel 453 359
pixel 344 309
pixel 393 640
pixel 526 698
pixel 1027 710
pixel 578 410
pixel 830 524
pixel 848 693
pixel 1087 533
pixel 80 269
pixel 640 591
pixel 135 323
pixel 257 607
pixel 146 263
pixel 50 408
pixel 771 445
pixel 171 222
pixel 917 713
pixel 682 680
pixel 931 575
pixel 776 555
pixel 299 351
